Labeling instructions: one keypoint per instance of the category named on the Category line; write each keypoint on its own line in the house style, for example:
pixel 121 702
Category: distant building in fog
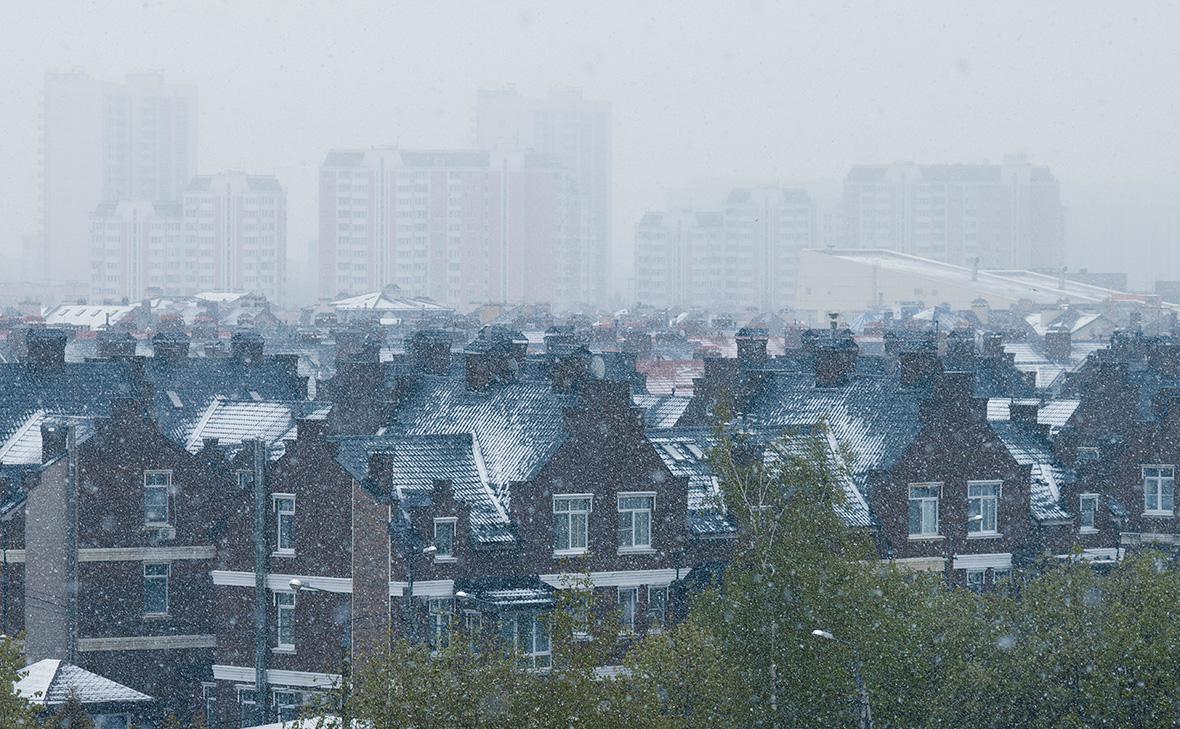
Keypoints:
pixel 229 233
pixel 1006 216
pixel 742 254
pixel 576 134
pixel 104 142
pixel 463 227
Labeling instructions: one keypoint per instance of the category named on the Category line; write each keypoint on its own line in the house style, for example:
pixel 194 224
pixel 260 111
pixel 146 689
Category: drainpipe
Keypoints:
pixel 71 543
pixel 261 607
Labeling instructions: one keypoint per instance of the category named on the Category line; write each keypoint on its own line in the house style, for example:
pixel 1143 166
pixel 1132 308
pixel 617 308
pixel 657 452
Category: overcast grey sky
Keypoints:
pixel 765 91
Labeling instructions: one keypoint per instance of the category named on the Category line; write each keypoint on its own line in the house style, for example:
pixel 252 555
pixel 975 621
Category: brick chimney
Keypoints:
pixel 993 345
pixel 430 351
pixel 751 346
pixel 559 337
pixel 960 348
pixel 1058 344
pixel 919 364
pixel 1024 411
pixel 356 345
pixel 380 468
pixel 493 356
pixel 953 400
pixel 247 347
pixel 170 346
pixel 835 358
pixel 54 438
pixel 46 347
pixel 116 345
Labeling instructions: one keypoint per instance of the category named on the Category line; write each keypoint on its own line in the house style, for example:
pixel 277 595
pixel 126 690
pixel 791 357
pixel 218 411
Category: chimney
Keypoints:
pixel 918 366
pixel 310 427
pixel 247 347
pixel 981 309
pixel 953 400
pixel 380 468
pixel 1058 344
pixel 170 346
pixel 751 347
pixel 993 345
pixel 835 359
pixel 960 348
pixel 493 356
pixel 115 345
pixel 356 345
pixel 430 351
pixel 1165 358
pixel 637 342
pixel 1024 411
pixel 46 347
pixel 559 338
pixel 54 434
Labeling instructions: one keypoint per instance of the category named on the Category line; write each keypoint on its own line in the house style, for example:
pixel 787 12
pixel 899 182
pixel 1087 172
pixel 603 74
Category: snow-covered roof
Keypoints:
pixel 378 301
pixel 52 682
pixel 90 316
pixel 233 421
pixel 24 447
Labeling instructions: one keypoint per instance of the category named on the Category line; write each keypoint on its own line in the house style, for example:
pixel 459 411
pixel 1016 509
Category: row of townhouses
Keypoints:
pixel 203 532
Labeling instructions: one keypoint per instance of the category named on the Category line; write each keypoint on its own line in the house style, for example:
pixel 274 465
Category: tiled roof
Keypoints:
pixel 183 389
pixel 661 411
pixel 508 592
pixel 1031 447
pixel 421 460
pixel 671 377
pixel 874 417
pixel 517 426
pixel 233 421
pixel 53 682
pixel 24 447
pixel 1054 413
pixel 83 389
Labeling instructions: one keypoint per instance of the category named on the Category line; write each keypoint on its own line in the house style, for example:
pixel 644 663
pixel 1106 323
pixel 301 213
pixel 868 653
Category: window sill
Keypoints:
pixel 284 650
pixel 985 535
pixel 636 550
pixel 1087 530
pixel 566 553
pixel 445 560
pixel 156 616
pixel 290 553
pixel 1159 514
pixel 926 537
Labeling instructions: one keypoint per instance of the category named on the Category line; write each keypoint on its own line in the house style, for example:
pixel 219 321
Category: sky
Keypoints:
pixel 738 91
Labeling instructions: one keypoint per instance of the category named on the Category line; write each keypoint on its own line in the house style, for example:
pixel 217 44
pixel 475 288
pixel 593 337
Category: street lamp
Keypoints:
pixel 862 693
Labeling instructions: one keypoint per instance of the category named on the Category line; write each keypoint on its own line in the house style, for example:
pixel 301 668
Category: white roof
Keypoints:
pixel 52 682
pixel 91 316
pixel 378 301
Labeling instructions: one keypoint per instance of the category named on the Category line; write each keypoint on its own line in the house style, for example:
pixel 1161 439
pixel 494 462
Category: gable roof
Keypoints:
pixel 52 682
pixel 1030 446
pixel 421 460
pixel 233 421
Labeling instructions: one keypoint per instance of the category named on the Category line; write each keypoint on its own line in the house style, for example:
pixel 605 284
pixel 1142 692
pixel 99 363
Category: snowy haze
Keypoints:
pixel 701 91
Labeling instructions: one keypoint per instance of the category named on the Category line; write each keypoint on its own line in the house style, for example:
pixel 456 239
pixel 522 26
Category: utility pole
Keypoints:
pixel 71 543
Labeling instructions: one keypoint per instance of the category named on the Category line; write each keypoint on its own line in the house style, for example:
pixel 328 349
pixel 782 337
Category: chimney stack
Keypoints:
pixel 430 351
pixel 170 346
pixel 751 347
pixel 113 344
pixel 835 358
pixel 247 347
pixel 46 347
pixel 1058 344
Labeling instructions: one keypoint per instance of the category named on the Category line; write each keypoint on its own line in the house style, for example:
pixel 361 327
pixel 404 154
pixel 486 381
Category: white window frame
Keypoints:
pixel 922 501
pixel 280 516
pixel 631 514
pixel 285 601
pixel 453 523
pixel 656 620
pixel 526 629
pixel 209 703
pixel 976 578
pixel 627 621
pixel 166 578
pixel 441 612
pixel 569 516
pixel 976 529
pixel 150 488
pixel 1092 527
pixel 297 703
pixel 1159 481
pixel 255 716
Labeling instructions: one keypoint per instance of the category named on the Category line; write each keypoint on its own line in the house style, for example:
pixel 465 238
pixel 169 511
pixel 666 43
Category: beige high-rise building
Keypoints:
pixel 996 216
pixel 106 142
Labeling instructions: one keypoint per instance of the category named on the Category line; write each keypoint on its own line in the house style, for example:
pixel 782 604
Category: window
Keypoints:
pixel 245 480
pixel 657 607
pixel 982 507
pixel 157 487
pixel 628 606
pixel 975 579
pixel 155 588
pixel 472 622
pixel 287 705
pixel 924 509
pixel 1001 573
pixel 528 636
pixel 635 521
pixel 285 622
pixel 444 538
pixel 1159 485
pixel 209 700
pixel 440 610
pixel 248 708
pixel 284 506
pixel 571 516
pixel 1088 511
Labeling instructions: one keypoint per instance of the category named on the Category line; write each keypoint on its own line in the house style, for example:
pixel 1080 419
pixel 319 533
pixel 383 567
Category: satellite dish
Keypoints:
pixel 598 367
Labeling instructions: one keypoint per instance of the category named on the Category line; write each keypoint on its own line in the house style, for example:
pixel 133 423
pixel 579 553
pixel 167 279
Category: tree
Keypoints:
pixel 15 710
pixel 71 715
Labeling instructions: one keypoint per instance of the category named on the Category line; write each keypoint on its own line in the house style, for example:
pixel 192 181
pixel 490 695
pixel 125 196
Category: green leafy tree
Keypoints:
pixel 15 710
pixel 71 715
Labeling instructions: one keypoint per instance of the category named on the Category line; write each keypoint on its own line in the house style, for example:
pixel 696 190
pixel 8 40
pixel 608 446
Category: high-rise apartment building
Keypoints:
pixel 999 216
pixel 463 227
pixel 105 142
pixel 575 133
pixel 743 254
pixel 229 233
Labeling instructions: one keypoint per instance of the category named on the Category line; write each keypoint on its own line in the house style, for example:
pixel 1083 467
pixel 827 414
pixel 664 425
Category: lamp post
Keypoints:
pixel 862 694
